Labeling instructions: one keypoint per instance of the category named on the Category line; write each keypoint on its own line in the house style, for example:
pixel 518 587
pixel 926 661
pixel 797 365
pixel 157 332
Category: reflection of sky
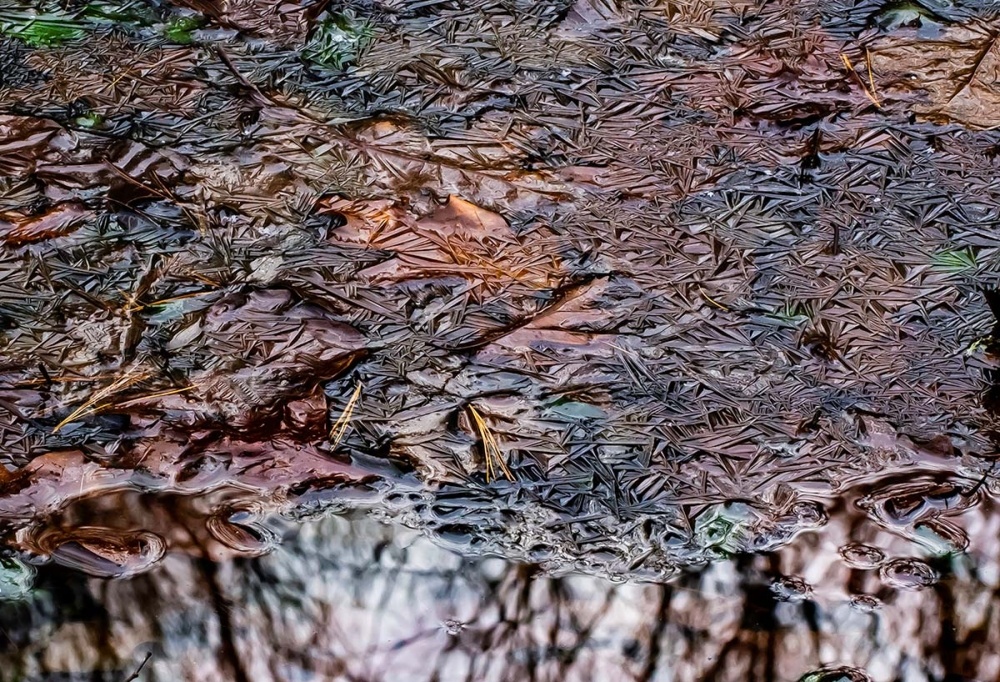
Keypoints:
pixel 357 599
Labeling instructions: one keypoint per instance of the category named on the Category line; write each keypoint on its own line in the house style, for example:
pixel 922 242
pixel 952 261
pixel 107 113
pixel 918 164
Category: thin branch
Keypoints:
pixel 135 675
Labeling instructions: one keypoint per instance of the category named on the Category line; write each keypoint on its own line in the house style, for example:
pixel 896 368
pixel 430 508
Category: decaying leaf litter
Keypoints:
pixel 594 274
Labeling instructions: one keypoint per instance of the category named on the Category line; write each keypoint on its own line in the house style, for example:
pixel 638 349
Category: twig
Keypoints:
pixel 135 675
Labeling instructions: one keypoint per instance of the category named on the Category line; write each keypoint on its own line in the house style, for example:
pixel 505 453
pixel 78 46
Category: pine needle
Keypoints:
pixel 339 427
pixel 491 448
pixel 870 94
pixel 153 396
pixel 712 300
pixel 164 301
pixel 130 378
pixel 871 78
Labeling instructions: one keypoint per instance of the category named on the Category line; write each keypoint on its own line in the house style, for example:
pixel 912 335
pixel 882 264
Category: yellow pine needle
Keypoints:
pixel 870 94
pixel 871 78
pixel 130 378
pixel 133 401
pixel 491 448
pixel 712 300
pixel 61 380
pixel 130 302
pixel 339 427
pixel 153 396
pixel 164 301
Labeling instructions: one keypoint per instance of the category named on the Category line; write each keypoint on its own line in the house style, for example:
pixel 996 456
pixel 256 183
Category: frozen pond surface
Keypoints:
pixel 446 340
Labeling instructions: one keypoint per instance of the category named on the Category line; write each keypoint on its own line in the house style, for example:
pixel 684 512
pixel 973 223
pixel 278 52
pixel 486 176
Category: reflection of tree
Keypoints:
pixel 357 600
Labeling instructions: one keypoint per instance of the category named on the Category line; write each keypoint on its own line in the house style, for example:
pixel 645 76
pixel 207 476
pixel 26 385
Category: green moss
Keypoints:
pixel 52 29
pixel 44 30
pixel 337 41
pixel 790 315
pixel 135 12
pixel 954 261
pixel 724 528
pixel 89 120
pixel 181 29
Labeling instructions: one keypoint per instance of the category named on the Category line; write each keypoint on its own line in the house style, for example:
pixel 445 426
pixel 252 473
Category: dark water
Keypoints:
pixel 567 339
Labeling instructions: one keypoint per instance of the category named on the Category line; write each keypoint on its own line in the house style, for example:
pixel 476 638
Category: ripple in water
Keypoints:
pixel 908 574
pixel 102 552
pixel 866 603
pixel 792 589
pixel 864 557
pixel 236 530
pixel 842 674
pixel 904 503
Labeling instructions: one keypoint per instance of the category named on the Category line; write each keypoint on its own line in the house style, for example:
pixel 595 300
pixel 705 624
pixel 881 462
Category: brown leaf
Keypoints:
pixel 57 222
